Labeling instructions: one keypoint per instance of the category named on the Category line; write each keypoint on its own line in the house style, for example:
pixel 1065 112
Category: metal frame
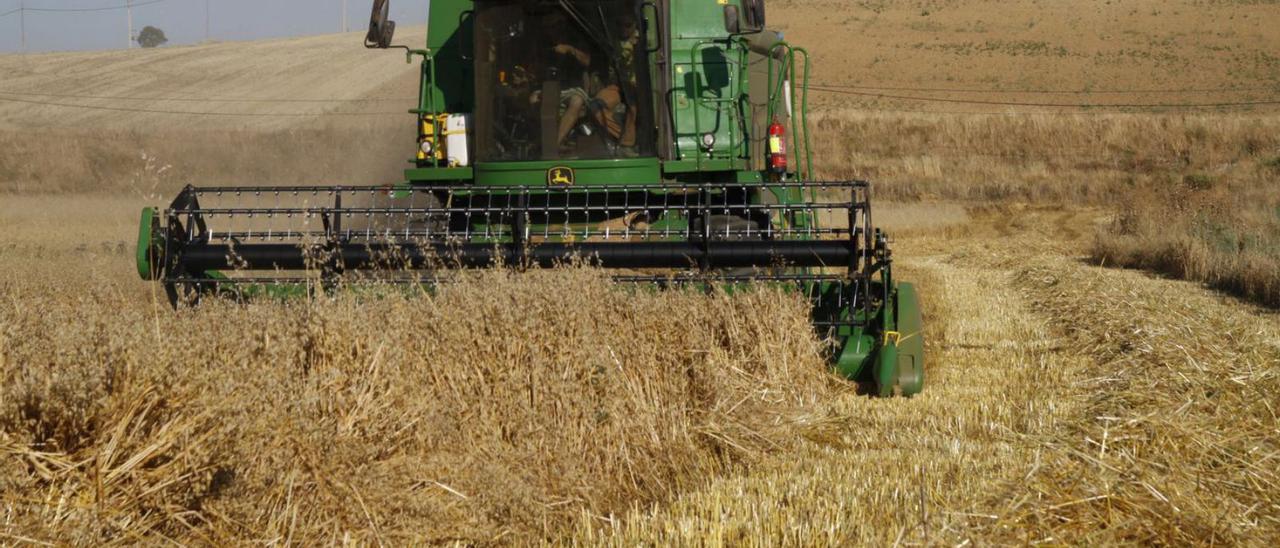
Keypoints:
pixel 204 247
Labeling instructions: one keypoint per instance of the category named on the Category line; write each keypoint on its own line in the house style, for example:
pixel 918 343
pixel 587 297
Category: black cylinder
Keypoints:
pixel 689 254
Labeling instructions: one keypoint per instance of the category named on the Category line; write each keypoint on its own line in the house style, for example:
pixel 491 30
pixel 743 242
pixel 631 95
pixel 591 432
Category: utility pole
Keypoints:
pixel 206 21
pixel 345 26
pixel 22 16
pixel 128 5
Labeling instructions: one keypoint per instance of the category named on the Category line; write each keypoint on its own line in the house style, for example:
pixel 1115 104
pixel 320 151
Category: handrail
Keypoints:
pixel 778 91
pixel 804 114
pixel 697 100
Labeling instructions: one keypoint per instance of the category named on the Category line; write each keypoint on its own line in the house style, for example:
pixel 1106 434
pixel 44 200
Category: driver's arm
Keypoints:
pixel 582 56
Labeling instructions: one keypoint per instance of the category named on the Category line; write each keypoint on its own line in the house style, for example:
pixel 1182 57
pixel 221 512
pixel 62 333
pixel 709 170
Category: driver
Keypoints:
pixel 607 107
pixel 605 101
pixel 571 51
pixel 574 98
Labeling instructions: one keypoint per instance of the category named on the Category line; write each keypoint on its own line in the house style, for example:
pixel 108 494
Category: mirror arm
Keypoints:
pixel 409 53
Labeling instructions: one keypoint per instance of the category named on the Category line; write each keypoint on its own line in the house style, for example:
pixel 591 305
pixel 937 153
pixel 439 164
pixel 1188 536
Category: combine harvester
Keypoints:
pixel 663 139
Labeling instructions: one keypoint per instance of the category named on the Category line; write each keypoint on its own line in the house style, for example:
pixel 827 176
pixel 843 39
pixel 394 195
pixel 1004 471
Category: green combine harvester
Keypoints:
pixel 665 140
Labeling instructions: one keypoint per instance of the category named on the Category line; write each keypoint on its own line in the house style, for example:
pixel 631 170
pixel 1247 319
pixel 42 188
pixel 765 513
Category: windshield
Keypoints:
pixel 561 80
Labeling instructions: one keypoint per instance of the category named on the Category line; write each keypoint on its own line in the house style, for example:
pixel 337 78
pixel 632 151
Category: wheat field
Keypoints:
pixel 1068 402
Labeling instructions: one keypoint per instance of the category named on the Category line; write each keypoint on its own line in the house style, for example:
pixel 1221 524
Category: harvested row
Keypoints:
pixel 1178 441
pixel 911 471
pixel 1067 403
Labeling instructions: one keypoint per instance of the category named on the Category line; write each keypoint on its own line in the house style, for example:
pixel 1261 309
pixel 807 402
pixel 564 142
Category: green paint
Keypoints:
pixel 854 353
pixel 709 86
pixel 448 74
pixel 147 228
pixel 589 173
pixel 697 166
pixel 887 369
pixel 436 175
pixel 911 362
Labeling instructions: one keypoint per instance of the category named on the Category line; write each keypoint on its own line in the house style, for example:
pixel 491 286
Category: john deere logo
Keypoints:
pixel 560 176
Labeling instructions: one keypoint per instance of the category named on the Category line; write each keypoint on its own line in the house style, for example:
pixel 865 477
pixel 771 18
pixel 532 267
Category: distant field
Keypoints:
pixel 1017 51
pixel 316 110
pixel 265 85
pixel 1028 51
pixel 324 108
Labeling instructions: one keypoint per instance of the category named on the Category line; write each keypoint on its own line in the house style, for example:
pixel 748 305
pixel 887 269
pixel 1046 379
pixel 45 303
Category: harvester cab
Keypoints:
pixel 665 140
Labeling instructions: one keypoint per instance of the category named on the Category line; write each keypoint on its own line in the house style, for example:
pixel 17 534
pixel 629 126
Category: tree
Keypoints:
pixel 151 37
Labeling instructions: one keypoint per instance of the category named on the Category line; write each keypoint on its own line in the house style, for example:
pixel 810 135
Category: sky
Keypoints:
pixel 183 21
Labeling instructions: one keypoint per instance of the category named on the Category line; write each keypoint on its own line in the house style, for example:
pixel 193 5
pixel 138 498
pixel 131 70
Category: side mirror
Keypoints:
pixel 755 13
pixel 732 20
pixel 381 30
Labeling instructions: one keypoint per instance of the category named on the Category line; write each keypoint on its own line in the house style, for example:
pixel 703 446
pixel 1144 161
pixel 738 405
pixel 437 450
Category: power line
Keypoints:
pixel 391 99
pixel 879 109
pixel 208 99
pixel 1048 91
pixel 90 10
pixel 1046 105
pixel 321 114
pixel 873 108
pixel 22 11
pixel 190 113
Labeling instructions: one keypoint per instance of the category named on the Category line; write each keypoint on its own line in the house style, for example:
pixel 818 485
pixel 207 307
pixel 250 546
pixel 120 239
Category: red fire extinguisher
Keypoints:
pixel 777 148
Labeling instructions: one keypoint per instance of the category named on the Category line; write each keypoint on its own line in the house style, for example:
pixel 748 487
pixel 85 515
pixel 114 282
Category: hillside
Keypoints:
pixel 262 85
pixel 1002 54
pixel 1030 51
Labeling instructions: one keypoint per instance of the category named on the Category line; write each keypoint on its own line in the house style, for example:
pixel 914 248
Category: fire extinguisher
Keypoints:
pixel 777 148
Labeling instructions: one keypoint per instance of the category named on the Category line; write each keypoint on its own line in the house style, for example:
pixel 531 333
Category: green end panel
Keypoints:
pixel 148 229
pixel 854 356
pixel 887 369
pixel 910 322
